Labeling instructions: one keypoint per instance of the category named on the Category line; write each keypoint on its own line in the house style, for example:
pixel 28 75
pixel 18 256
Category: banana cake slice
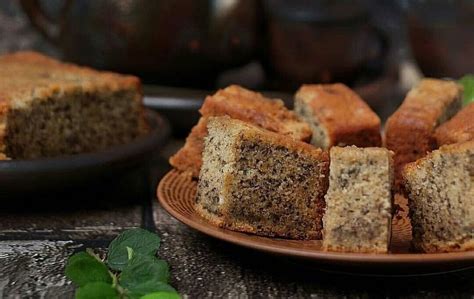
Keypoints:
pixel 337 116
pixel 49 108
pixel 460 128
pixel 441 198
pixel 409 131
pixel 256 181
pixel 245 105
pixel 359 200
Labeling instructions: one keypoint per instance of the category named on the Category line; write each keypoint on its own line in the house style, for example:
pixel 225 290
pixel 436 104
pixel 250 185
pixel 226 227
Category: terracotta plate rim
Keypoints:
pixel 242 239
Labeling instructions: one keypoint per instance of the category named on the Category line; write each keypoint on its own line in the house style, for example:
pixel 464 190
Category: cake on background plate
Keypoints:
pixel 49 108
pixel 441 196
pixel 256 181
pixel 359 200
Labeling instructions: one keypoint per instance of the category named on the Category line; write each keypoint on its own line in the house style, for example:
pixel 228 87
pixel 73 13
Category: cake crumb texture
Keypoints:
pixel 440 187
pixel 359 200
pixel 256 181
pixel 49 108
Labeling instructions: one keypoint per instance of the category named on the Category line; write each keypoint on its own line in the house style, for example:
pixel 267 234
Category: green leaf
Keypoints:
pixel 139 240
pixel 468 83
pixel 148 288
pixel 83 268
pixel 161 295
pixel 145 274
pixel 97 290
pixel 144 270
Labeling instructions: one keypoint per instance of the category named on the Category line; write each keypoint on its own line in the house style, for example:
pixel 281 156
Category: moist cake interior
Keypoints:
pixel 442 200
pixel 72 123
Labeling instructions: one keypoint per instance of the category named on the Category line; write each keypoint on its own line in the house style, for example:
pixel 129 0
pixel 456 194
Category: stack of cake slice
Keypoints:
pixel 256 174
pixel 245 105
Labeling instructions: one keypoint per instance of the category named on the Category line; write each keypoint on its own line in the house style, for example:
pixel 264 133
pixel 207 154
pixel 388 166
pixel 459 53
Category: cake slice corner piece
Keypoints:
pixel 256 181
pixel 440 188
pixel 359 200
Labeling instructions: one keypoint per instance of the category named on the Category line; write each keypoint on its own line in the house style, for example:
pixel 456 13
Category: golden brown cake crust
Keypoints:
pixel 347 119
pixel 460 128
pixel 28 76
pixel 189 157
pixel 24 73
pixel 409 131
pixel 245 105
pixel 253 107
pixel 449 148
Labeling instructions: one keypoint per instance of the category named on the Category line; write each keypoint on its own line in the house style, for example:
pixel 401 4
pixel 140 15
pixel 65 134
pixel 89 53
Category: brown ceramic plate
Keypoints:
pixel 176 193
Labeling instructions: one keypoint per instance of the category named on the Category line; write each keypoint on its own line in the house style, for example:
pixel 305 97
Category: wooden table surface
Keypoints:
pixel 38 234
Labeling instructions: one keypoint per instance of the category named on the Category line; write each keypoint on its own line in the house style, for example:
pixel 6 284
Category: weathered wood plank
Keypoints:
pixel 34 269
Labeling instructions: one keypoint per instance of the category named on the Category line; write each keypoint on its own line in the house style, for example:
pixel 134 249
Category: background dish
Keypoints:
pixel 22 177
pixel 176 193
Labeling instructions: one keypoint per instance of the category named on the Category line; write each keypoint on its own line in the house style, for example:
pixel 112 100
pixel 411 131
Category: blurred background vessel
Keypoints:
pixel 185 49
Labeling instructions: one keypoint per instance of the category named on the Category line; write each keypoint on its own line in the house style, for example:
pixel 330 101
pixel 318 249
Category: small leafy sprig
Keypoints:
pixel 468 83
pixel 131 270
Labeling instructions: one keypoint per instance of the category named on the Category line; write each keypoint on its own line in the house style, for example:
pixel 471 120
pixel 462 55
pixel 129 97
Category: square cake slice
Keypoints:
pixel 256 181
pixel 409 131
pixel 359 200
pixel 460 128
pixel 245 105
pixel 337 116
pixel 49 108
pixel 441 198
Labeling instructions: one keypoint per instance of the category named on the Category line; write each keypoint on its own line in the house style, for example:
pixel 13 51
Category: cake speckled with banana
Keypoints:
pixel 359 200
pixel 256 181
pixel 337 116
pixel 441 191
pixel 49 108
pixel 243 104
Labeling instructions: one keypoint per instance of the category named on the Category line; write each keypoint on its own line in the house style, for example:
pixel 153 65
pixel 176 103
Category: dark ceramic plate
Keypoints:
pixel 18 177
